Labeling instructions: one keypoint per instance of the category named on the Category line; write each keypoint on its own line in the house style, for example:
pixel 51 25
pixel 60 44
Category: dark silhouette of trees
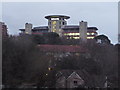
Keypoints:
pixel 51 38
pixel 103 39
pixel 23 62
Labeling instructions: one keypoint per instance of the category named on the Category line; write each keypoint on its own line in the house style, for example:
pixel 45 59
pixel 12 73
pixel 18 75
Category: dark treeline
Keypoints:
pixel 24 63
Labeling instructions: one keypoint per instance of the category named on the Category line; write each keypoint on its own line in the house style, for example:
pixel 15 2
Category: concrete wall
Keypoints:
pixel 83 31
pixel 28 28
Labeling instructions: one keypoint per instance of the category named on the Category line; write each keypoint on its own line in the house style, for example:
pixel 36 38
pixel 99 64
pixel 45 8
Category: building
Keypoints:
pixel 68 78
pixel 58 24
pixel 28 28
pixel 3 29
pixel 72 79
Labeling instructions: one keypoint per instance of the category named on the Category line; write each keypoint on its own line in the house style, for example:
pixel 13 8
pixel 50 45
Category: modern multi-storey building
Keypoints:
pixel 58 24
pixel 3 29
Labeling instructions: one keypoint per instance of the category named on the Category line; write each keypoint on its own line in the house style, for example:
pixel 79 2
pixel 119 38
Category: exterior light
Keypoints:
pixel 49 69
pixel 46 74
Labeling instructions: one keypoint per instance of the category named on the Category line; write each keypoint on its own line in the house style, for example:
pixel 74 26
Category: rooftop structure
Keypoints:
pixel 58 24
pixel 57 16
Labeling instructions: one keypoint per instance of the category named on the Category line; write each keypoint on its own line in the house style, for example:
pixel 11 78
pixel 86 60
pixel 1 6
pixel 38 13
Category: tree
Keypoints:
pixel 103 39
pixel 51 38
pixel 22 60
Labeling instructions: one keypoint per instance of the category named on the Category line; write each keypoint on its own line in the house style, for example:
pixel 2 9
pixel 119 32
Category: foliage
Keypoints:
pixel 23 62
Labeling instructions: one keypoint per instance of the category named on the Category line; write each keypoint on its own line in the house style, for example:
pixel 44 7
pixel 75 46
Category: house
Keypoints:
pixel 72 79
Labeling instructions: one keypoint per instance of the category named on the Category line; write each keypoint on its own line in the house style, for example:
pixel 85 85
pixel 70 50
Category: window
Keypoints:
pixel 75 82
pixel 63 23
pixel 54 22
pixel 60 23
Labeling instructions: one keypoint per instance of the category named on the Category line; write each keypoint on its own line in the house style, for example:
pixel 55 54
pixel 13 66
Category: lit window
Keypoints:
pixel 53 30
pixel 77 33
pixel 88 33
pixel 76 37
pixel 90 37
pixel 54 18
pixel 54 22
pixel 92 33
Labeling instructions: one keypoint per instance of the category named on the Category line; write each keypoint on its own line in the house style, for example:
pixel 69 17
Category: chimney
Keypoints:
pixel 28 28
pixel 83 31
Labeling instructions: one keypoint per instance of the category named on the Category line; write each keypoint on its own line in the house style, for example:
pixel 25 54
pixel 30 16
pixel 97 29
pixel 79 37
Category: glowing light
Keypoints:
pixel 90 33
pixel 54 30
pixel 90 37
pixel 54 18
pixel 46 74
pixel 54 22
pixel 49 69
pixel 76 37
pixel 71 34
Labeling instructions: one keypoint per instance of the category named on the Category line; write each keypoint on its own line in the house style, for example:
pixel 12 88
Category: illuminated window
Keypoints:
pixel 90 37
pixel 88 33
pixel 54 30
pixel 71 34
pixel 54 22
pixel 92 33
pixel 77 33
pixel 76 37
pixel 53 27
pixel 54 18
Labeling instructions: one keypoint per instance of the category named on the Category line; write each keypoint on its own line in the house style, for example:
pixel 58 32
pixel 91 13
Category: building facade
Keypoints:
pixel 3 29
pixel 71 79
pixel 58 24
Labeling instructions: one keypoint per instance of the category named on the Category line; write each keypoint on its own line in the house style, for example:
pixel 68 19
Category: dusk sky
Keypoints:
pixel 103 15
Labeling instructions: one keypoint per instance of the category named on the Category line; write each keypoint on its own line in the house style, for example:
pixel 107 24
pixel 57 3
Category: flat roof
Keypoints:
pixel 77 27
pixel 41 27
pixel 57 16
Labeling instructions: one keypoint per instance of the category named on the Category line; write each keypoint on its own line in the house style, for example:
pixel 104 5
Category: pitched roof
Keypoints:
pixel 62 48
pixel 82 73
pixel 67 73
